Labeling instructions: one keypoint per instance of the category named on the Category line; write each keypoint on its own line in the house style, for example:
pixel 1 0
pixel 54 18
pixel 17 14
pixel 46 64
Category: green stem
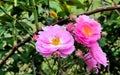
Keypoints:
pixel 27 2
pixel 15 2
pixel 34 68
pixel 59 66
pixel 108 69
pixel 6 13
pixel 35 14
pixel 91 3
pixel 54 63
pixel 49 65
pixel 14 34
pixel 48 8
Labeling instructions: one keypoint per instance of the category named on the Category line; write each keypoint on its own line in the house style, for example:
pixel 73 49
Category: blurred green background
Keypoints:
pixel 21 18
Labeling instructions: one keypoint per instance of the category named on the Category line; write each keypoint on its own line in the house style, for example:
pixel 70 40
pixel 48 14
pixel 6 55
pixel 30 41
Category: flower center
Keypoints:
pixel 87 31
pixel 55 41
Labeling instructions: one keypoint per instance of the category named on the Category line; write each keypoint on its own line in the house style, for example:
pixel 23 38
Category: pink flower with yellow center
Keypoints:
pixel 87 31
pixel 55 39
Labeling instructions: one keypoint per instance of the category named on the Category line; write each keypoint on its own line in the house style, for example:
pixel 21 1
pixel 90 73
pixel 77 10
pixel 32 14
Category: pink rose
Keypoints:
pixel 92 64
pixel 55 38
pixel 87 31
pixel 98 54
pixel 95 57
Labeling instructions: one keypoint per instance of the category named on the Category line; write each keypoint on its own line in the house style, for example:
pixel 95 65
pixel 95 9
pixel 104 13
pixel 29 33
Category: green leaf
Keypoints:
pixel 102 41
pixel 66 9
pixel 23 58
pixel 76 3
pixel 5 18
pixel 24 27
pixel 2 72
pixel 2 44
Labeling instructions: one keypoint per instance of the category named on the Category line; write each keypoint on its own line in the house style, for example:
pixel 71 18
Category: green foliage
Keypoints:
pixel 110 43
pixel 21 18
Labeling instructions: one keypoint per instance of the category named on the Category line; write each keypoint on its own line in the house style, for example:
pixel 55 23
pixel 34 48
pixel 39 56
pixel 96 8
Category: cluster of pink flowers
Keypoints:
pixel 87 32
pixel 56 40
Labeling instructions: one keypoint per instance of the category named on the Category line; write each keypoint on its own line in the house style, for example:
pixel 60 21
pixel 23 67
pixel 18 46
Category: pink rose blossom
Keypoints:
pixel 92 64
pixel 95 57
pixel 35 36
pixel 70 27
pixel 98 54
pixel 87 31
pixel 55 38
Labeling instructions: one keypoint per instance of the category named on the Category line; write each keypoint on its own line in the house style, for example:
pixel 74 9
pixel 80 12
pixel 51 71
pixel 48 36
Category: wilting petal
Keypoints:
pixel 98 54
pixel 92 64
pixel 95 57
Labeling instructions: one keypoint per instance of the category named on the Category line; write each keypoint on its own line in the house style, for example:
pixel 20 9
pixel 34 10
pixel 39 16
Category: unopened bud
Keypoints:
pixel 35 36
pixel 73 17
pixel 79 53
pixel 70 27
pixel 57 54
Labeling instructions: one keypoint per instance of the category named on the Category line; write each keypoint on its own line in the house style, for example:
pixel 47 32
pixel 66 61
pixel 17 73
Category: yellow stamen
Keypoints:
pixel 55 41
pixel 87 31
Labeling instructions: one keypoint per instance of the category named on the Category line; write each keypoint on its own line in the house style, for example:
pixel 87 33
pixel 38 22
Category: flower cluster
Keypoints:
pixel 57 40
pixel 87 32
